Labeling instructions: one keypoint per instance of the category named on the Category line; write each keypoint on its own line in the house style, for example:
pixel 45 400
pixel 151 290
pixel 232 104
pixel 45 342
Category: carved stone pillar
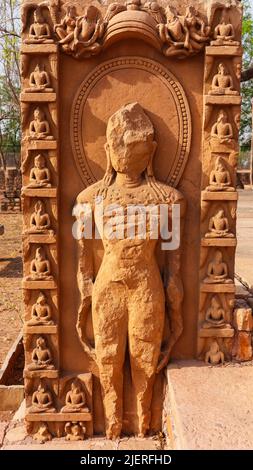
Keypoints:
pixel 112 103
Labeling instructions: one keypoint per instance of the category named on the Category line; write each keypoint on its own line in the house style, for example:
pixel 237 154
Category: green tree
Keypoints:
pixel 247 76
pixel 9 79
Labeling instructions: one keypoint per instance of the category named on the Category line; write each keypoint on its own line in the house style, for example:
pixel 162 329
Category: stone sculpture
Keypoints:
pixel 75 431
pixel 39 81
pixel 217 271
pixel 214 356
pixel 215 315
pixel 39 221
pixel 222 131
pixel 39 32
pixel 40 174
pixel 129 274
pixel 75 400
pixel 40 267
pixel 183 35
pixel 65 29
pixel 42 401
pixel 41 312
pixel 224 34
pixel 222 83
pixel 41 356
pixel 42 435
pixel 219 226
pixel 39 128
pixel 220 178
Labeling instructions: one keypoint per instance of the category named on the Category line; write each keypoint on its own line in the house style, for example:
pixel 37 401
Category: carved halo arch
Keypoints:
pixel 167 79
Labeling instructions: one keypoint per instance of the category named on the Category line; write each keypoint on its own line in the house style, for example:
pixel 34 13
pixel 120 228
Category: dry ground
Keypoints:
pixel 10 281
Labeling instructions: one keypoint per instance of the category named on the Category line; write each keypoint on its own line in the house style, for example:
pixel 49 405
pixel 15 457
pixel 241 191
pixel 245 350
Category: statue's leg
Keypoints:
pixel 146 322
pixel 109 315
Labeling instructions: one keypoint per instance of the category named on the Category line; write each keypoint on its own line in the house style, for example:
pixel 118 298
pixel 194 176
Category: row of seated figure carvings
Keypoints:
pixel 217 285
pixel 222 83
pixel 75 400
pixel 83 34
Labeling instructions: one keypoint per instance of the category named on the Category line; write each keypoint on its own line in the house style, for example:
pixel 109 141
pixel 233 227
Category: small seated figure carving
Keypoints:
pixel 214 356
pixel 220 178
pixel 224 34
pixel 215 315
pixel 40 267
pixel 75 401
pixel 43 435
pixel 217 271
pixel 39 81
pixel 65 29
pixel 42 401
pixel 75 431
pixel 174 34
pixel 39 32
pixel 40 221
pixel 222 129
pixel 41 357
pixel 89 29
pixel 40 174
pixel 41 312
pixel 39 127
pixel 198 30
pixel 222 83
pixel 219 227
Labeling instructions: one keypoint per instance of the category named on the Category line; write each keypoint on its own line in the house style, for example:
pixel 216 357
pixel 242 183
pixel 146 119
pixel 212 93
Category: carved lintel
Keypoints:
pixel 39 192
pixel 216 332
pixel 42 329
pixel 60 417
pixel 37 97
pixel 37 49
pixel 218 288
pixel 223 100
pixel 50 374
pixel 35 285
pixel 42 145
pixel 219 196
pixel 219 242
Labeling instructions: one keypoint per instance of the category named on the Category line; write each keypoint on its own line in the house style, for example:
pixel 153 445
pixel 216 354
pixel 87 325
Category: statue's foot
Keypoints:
pixel 113 432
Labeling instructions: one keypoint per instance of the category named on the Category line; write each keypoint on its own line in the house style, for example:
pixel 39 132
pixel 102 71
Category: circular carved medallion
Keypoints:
pixel 120 81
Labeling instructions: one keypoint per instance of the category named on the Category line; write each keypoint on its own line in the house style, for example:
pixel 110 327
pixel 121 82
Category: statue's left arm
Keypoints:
pixel 173 293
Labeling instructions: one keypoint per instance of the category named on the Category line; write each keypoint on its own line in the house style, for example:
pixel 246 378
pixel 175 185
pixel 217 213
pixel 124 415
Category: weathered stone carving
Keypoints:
pixel 219 226
pixel 222 133
pixel 222 83
pixel 39 32
pixel 75 431
pixel 41 356
pixel 39 81
pixel 42 435
pixel 42 401
pixel 40 267
pixel 40 220
pixel 129 274
pixel 183 35
pixel 41 312
pixel 224 33
pixel 220 178
pixel 217 271
pixel 40 174
pixel 215 315
pixel 65 29
pixel 75 401
pixel 39 128
pixel 214 356
pixel 82 33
